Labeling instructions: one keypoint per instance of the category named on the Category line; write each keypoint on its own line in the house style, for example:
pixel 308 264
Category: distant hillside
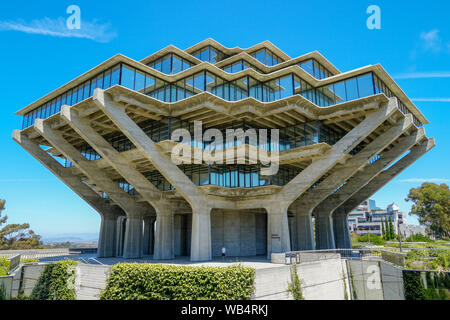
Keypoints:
pixel 71 237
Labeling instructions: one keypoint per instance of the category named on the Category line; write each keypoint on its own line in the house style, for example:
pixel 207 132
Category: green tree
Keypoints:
pixel 17 236
pixel 431 205
pixel 391 229
pixel 383 230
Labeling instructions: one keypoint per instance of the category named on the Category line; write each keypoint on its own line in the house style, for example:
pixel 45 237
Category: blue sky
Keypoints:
pixel 39 55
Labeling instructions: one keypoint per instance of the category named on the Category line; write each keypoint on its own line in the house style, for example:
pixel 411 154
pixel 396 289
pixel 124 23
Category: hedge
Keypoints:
pixel 56 282
pixel 4 266
pixel 135 281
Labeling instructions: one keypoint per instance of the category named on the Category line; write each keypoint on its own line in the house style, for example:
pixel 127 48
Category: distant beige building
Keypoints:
pixel 107 136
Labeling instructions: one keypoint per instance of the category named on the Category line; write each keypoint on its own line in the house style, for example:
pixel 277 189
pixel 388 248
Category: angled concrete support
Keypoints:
pixel 277 229
pixel 164 236
pixel 201 233
pixel 134 211
pixel 108 212
pixel 123 166
pixel 318 168
pixel 387 175
pixel 162 162
pixel 311 200
pixel 370 171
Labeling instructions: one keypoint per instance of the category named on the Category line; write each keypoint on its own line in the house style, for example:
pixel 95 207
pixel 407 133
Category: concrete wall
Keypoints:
pixel 365 279
pixel 392 279
pixel 321 280
pixel 242 233
pixel 90 280
pixel 6 285
pixel 182 234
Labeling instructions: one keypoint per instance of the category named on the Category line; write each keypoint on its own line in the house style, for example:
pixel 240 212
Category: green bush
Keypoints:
pixel 413 286
pixel 56 282
pixel 375 239
pixel 418 238
pixel 4 266
pixel 135 281
pixel 294 287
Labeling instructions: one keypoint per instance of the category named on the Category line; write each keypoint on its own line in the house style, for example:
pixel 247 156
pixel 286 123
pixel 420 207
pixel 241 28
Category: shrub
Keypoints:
pixel 135 281
pixel 375 239
pixel 4 266
pixel 412 283
pixel 56 282
pixel 294 287
pixel 418 238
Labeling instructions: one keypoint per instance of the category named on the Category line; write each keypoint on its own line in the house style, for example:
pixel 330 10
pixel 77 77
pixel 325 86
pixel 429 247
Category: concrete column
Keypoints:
pixel 341 232
pixel 164 236
pixel 305 233
pixel 278 239
pixel 324 232
pixel 107 238
pixel 120 233
pixel 132 247
pixel 148 235
pixel 201 233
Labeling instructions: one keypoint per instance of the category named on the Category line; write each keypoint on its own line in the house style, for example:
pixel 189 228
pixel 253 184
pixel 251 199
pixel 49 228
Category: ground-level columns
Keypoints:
pixel 305 179
pixel 305 233
pixel 277 229
pixel 201 233
pixel 341 231
pixel 107 236
pixel 324 231
pixel 164 242
pixel 132 246
pixel 148 235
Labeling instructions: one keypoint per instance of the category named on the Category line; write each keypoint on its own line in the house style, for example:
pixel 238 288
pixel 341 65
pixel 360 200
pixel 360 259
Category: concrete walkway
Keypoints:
pixel 258 262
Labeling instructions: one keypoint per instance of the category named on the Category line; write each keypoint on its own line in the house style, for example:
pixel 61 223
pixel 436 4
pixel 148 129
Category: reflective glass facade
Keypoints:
pixel 267 57
pixel 315 69
pixel 290 137
pixel 170 64
pixel 209 54
pixel 229 176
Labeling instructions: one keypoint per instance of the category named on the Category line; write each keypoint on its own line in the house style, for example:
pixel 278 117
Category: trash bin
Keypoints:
pixel 288 258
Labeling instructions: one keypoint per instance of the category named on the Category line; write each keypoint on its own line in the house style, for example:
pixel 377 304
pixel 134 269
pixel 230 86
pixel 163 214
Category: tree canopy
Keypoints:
pixel 16 236
pixel 431 204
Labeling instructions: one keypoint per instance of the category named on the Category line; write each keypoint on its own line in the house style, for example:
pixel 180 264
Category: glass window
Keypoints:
pixel 339 92
pixel 140 81
pixel 352 89
pixel 127 77
pixel 115 74
pixel 177 64
pixel 165 65
pixel 365 85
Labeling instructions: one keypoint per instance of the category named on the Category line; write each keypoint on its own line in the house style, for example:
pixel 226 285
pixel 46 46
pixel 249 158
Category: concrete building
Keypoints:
pixel 107 136
pixel 367 217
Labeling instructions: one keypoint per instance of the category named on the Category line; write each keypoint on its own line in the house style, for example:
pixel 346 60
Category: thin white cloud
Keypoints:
pixel 431 40
pixel 431 99
pixel 421 180
pixel 423 75
pixel 57 28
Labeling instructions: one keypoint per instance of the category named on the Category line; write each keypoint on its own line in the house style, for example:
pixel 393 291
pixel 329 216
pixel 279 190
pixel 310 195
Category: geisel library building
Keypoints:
pixel 108 136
